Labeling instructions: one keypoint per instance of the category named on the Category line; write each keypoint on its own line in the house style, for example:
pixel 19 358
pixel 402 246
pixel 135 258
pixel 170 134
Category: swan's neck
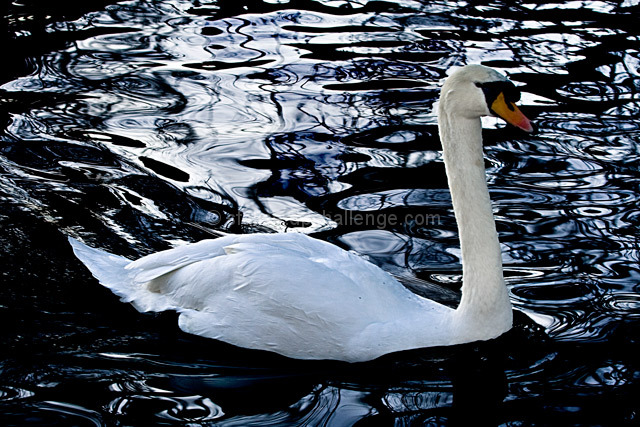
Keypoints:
pixel 484 309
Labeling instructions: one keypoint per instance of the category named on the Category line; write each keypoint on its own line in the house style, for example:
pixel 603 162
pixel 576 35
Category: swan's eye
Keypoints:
pixel 493 89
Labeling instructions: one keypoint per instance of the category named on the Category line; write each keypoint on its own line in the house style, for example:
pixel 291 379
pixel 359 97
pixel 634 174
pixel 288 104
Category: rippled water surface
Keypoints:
pixel 141 125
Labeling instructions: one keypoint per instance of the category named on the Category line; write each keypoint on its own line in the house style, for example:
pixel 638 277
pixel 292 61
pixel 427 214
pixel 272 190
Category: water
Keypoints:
pixel 140 125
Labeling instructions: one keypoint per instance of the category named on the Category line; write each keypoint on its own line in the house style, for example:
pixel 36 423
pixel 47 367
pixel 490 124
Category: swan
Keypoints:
pixel 305 298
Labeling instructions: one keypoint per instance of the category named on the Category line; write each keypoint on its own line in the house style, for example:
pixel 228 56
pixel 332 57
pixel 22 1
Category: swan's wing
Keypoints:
pixel 155 265
pixel 293 269
pixel 273 272
pixel 295 305
pixel 160 263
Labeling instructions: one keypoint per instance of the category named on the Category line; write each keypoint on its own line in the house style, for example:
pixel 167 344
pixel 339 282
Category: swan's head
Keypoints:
pixel 474 91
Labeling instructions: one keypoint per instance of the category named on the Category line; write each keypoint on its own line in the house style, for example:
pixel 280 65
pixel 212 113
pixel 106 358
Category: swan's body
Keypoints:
pixel 308 299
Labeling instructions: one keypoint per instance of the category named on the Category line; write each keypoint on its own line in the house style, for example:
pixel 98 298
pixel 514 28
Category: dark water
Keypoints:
pixel 140 125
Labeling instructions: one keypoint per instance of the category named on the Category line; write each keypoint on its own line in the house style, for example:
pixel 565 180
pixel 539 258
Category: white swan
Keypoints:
pixel 308 299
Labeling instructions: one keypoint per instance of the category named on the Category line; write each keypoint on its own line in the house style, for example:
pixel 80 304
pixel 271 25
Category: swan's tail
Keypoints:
pixel 107 268
pixel 110 271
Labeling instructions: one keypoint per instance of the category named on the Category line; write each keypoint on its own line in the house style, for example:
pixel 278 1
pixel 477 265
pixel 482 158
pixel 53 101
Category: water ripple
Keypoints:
pixel 146 124
pixel 8 393
pixel 183 409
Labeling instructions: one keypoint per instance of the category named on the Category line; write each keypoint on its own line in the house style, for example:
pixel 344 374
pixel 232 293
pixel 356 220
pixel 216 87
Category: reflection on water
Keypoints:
pixel 141 125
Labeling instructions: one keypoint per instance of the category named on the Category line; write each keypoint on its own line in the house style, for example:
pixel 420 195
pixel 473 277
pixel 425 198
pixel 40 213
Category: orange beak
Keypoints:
pixel 510 113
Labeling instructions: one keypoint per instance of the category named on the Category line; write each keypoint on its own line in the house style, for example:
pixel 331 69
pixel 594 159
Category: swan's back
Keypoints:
pixel 288 293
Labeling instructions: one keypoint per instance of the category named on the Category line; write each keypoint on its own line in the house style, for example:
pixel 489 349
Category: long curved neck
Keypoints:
pixel 485 305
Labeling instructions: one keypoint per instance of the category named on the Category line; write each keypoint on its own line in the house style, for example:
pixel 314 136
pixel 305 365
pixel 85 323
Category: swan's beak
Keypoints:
pixel 510 113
